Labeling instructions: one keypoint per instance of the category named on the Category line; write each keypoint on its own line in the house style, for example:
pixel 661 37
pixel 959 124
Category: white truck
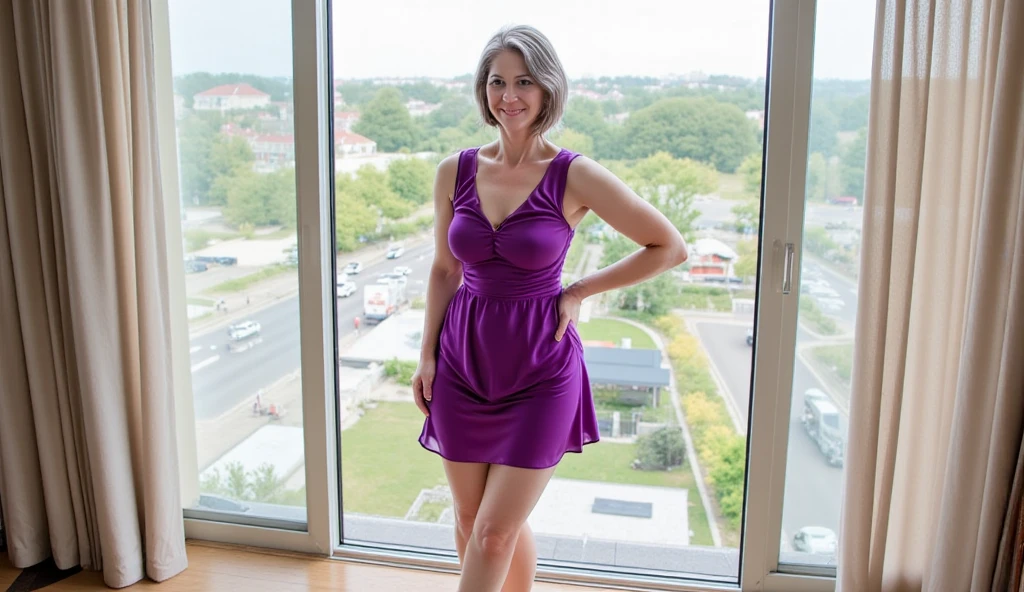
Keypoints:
pixel 382 299
pixel 824 424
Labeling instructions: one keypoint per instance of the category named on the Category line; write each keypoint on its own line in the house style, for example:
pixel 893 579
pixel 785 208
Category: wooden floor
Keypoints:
pixel 220 568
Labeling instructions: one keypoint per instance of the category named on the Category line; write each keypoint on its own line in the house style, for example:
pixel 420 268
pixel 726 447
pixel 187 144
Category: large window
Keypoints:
pixel 673 102
pixel 233 120
pixel 828 270
pixel 299 144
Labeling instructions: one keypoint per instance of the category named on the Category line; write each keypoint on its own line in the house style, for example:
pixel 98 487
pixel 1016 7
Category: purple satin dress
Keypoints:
pixel 505 391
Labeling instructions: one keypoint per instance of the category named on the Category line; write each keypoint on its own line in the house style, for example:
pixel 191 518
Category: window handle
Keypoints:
pixel 787 268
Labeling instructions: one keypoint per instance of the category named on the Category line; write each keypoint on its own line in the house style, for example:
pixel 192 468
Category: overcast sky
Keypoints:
pixel 443 38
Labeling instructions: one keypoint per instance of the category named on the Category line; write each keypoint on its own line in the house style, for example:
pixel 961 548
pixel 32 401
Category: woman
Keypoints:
pixel 501 377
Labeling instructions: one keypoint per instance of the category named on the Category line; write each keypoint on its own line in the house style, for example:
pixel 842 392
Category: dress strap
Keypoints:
pixel 556 177
pixel 464 177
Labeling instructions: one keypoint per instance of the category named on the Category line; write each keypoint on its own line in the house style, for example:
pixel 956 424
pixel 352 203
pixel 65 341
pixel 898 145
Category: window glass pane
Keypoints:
pixel 669 96
pixel 232 72
pixel 830 262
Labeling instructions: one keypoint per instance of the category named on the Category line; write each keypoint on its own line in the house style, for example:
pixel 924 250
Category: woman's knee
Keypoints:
pixel 465 518
pixel 496 539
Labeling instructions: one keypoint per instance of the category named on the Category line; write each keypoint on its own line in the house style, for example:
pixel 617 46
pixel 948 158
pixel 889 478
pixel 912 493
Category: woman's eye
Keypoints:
pixel 525 82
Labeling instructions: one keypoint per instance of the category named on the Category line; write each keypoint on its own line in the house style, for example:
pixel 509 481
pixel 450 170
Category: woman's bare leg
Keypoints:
pixel 510 494
pixel 467 481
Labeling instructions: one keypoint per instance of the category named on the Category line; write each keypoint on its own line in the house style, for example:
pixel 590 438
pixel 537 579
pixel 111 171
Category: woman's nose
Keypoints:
pixel 509 97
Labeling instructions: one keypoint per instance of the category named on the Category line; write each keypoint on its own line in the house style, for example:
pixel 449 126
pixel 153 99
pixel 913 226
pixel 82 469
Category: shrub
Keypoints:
pixel 400 371
pixel 661 449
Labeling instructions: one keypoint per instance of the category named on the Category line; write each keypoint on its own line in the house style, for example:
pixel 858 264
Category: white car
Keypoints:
pixel 395 252
pixel 815 539
pixel 346 289
pixel 353 268
pixel 402 269
pixel 239 331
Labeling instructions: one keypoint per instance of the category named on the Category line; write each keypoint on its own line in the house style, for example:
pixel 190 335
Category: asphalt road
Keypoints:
pixel 813 488
pixel 222 379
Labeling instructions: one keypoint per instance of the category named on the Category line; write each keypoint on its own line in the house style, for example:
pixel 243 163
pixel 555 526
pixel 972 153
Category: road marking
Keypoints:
pixel 195 348
pixel 200 365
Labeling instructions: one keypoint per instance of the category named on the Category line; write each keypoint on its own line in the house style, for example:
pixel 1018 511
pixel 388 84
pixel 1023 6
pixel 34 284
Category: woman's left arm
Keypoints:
pixel 590 186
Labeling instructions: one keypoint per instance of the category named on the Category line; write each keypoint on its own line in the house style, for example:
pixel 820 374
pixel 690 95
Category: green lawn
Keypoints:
pixel 384 468
pixel 246 281
pixel 613 330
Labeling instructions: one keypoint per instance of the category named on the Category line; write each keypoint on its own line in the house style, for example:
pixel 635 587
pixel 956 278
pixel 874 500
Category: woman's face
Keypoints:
pixel 513 96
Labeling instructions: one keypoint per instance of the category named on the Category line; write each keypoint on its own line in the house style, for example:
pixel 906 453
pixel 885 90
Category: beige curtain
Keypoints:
pixel 88 468
pixel 938 393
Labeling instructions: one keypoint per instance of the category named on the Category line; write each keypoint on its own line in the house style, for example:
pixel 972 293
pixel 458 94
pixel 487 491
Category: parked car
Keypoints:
pixel 402 269
pixel 218 259
pixel 195 267
pixel 353 268
pixel 346 289
pixel 243 330
pixel 395 252
pixel 750 336
pixel 815 539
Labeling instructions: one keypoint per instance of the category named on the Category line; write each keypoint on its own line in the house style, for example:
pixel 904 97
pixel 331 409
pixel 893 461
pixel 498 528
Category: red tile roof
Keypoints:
pixel 227 90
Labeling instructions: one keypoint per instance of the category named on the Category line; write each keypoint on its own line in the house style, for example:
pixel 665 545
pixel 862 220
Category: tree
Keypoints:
pixel 746 259
pixel 371 187
pixel 661 449
pixel 670 185
pixel 196 135
pixel 412 179
pixel 386 121
pixel 575 141
pixel 227 156
pixel 355 220
pixel 701 129
pixel 747 216
pixel 851 165
pixel 451 112
pixel 261 199
pixel 824 127
pixel 750 171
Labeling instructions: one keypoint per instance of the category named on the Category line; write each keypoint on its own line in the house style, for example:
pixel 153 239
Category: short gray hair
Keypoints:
pixel 543 65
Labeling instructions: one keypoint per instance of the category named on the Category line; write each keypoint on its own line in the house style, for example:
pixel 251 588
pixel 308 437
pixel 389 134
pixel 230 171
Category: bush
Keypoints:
pixel 662 449
pixel 812 315
pixel 260 485
pixel 400 371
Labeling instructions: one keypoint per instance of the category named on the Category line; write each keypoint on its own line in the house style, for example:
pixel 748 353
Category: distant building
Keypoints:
pixel 711 258
pixel 419 108
pixel 346 143
pixel 345 120
pixel 230 97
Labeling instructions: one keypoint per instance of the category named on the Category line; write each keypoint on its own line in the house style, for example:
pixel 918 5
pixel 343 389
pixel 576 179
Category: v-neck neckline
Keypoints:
pixel 479 202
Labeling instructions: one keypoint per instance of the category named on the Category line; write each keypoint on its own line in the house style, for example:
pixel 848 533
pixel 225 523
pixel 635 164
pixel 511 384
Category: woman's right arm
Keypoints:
pixel 445 277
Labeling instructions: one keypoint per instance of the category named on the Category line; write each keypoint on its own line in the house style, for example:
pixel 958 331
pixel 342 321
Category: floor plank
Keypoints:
pixel 217 567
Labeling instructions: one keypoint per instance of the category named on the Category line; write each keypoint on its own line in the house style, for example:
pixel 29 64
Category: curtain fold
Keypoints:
pixel 88 467
pixel 938 390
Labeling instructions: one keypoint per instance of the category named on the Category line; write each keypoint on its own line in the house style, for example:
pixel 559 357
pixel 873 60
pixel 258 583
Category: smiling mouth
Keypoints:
pixel 513 112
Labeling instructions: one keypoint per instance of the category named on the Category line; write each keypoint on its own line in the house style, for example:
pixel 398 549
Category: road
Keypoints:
pixel 222 379
pixel 813 488
pixel 846 288
pixel 717 212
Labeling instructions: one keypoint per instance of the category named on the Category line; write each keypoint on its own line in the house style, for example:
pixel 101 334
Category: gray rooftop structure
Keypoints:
pixel 625 367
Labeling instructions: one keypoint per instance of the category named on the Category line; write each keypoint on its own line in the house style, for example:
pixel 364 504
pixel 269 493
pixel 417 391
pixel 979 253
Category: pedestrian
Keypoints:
pixel 356 323
pixel 500 349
